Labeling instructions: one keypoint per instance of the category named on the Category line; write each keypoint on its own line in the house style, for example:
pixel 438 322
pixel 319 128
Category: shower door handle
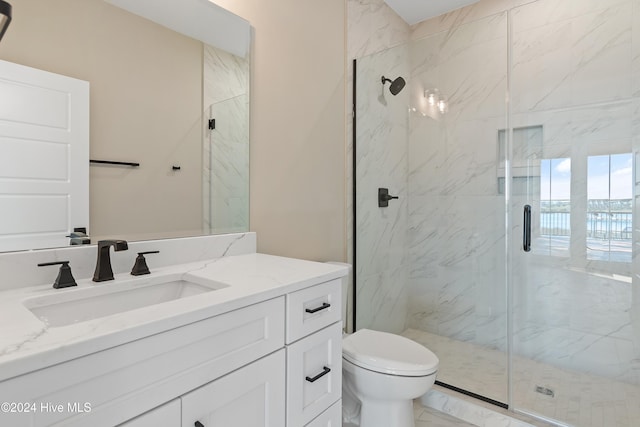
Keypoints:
pixel 526 233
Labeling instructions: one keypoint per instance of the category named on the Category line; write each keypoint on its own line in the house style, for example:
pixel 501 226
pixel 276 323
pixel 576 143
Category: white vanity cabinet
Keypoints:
pixel 167 415
pixel 249 397
pixel 272 363
pixel 252 396
pixel 122 382
pixel 332 417
pixel 314 353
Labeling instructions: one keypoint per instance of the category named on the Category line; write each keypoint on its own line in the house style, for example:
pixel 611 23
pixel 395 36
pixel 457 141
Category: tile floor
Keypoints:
pixel 579 399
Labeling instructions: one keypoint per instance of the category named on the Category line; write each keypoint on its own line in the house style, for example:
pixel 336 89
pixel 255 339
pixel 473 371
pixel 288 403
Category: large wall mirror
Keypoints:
pixel 175 104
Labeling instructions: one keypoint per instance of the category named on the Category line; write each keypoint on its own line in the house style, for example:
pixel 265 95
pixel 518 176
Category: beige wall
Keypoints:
pixel 297 200
pixel 297 126
pixel 146 99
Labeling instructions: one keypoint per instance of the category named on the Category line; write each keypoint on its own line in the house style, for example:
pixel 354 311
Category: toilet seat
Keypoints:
pixel 388 354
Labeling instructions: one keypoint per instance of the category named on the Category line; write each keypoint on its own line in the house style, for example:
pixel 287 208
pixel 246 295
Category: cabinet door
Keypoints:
pixel 252 396
pixel 167 415
pixel 314 375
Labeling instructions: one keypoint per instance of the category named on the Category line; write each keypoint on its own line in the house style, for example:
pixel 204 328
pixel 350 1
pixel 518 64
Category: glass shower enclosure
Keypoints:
pixel 510 250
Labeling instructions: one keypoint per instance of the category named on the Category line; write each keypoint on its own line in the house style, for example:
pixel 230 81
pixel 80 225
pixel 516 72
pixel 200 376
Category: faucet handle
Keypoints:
pixel 65 278
pixel 140 267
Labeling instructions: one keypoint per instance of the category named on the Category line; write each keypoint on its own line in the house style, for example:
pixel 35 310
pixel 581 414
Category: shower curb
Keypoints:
pixel 469 412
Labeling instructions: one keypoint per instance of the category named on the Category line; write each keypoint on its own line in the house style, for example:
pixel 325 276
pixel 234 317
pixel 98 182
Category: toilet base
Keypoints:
pixel 368 412
pixel 387 414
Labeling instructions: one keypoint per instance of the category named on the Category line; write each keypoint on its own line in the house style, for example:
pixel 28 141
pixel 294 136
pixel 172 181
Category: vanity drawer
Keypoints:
pixel 312 309
pixel 332 417
pixel 314 375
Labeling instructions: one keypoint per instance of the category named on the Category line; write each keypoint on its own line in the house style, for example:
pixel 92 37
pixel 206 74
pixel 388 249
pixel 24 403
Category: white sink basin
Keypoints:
pixel 71 306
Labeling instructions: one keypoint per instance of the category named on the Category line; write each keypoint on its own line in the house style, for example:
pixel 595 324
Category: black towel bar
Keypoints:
pixel 111 162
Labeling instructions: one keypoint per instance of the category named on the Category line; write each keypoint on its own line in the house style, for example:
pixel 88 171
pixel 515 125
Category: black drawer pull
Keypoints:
pixel 317 309
pixel 324 372
pixel 198 424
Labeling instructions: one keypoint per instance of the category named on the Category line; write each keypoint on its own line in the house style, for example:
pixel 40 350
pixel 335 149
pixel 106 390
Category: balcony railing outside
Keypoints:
pixel 609 228
pixel 606 219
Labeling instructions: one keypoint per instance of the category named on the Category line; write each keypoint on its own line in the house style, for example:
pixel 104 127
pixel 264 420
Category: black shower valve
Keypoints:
pixel 384 197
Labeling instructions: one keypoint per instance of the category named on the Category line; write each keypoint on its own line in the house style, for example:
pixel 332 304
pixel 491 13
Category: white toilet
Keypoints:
pixel 381 375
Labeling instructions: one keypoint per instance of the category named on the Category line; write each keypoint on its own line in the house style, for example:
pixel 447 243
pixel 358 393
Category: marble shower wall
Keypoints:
pixel 372 27
pixel 226 149
pixel 456 214
pixel 381 156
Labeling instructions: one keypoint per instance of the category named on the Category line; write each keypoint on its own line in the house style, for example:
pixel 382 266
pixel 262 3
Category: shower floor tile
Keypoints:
pixel 579 399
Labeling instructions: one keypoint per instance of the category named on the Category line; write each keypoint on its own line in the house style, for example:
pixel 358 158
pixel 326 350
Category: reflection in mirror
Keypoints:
pixel 152 93
pixel 226 144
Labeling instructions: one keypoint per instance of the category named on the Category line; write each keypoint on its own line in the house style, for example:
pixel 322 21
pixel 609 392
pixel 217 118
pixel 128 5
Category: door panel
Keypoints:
pixel 575 346
pixel 44 157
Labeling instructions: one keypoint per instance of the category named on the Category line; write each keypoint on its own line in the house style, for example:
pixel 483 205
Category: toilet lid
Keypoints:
pixel 389 354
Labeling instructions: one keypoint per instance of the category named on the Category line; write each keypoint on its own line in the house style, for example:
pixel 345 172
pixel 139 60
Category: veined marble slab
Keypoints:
pixel 27 343
pixel 19 269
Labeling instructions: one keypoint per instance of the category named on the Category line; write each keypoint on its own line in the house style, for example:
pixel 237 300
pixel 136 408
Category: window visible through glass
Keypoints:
pixel 555 207
pixel 609 207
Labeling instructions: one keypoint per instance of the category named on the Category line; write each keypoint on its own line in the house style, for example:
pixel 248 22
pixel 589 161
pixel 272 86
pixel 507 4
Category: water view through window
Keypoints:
pixel 555 206
pixel 609 216
pixel 608 227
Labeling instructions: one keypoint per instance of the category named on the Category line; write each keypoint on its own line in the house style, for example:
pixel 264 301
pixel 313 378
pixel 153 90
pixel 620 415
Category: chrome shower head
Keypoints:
pixel 396 85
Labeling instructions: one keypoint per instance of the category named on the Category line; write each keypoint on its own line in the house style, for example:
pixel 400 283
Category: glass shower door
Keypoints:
pixel 456 204
pixel 574 300
pixel 432 264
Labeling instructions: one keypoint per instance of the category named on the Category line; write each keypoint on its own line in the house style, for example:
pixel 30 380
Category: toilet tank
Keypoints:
pixel 345 292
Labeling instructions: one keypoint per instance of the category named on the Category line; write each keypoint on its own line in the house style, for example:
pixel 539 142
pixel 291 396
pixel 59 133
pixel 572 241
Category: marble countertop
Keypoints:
pixel 28 344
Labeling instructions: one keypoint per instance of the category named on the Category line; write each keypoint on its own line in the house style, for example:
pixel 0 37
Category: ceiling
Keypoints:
pixel 198 19
pixel 414 11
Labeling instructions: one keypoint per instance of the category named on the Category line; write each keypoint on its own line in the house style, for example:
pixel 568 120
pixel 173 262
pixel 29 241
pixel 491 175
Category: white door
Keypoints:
pixel 253 396
pixel 44 157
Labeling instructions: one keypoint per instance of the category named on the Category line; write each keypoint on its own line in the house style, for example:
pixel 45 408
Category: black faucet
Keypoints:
pixel 103 264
